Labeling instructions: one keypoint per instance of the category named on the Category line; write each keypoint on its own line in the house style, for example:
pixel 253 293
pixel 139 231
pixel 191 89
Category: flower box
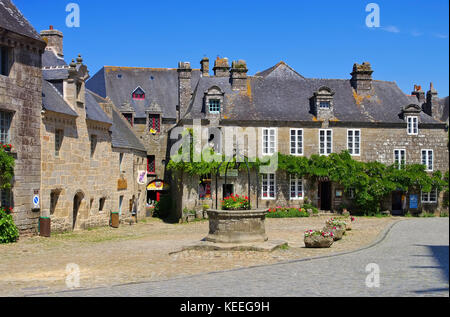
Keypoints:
pixel 318 239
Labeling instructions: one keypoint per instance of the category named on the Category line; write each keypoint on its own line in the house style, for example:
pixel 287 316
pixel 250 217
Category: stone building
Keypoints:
pixel 374 120
pixel 91 160
pixel 21 48
pixel 148 99
pixel 281 111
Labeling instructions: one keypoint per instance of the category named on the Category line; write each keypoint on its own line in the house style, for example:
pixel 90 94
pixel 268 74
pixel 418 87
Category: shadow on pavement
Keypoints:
pixel 440 253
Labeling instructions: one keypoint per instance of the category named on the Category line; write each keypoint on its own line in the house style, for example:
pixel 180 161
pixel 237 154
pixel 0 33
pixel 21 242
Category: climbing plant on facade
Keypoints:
pixel 8 230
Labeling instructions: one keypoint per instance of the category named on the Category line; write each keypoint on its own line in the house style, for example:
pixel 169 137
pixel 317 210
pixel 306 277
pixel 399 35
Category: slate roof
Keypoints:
pixel 13 20
pixel 159 84
pixel 53 67
pixel 52 100
pixel 121 134
pixel 281 94
pixel 94 111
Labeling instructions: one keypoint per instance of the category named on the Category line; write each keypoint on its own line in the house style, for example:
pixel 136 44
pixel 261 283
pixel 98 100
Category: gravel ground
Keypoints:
pixel 140 253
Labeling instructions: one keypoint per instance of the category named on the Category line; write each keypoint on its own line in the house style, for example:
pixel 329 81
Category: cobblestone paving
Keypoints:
pixel 140 253
pixel 413 261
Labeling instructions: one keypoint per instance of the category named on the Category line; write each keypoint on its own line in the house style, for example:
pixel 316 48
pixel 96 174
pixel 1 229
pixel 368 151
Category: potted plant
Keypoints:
pixel 6 147
pixel 337 227
pixel 236 202
pixel 318 239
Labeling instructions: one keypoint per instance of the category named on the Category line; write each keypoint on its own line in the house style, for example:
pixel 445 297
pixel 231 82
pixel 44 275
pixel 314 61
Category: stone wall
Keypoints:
pixel 377 144
pixel 75 172
pixel 21 94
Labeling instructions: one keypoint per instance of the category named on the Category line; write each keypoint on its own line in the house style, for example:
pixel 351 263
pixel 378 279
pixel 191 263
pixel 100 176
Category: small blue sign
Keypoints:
pixel 36 201
pixel 413 201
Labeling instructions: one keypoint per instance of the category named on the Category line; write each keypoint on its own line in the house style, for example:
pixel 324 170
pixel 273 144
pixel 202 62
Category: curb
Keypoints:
pixel 380 238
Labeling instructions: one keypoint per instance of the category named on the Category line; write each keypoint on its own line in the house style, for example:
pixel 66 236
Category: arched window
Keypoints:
pixel 139 94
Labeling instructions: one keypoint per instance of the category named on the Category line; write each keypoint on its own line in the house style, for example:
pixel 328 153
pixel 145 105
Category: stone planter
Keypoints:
pixel 338 233
pixel 315 242
pixel 241 226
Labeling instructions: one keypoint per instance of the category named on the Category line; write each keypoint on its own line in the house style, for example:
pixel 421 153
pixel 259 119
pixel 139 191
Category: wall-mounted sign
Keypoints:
pixel 142 177
pixel 36 202
pixel 158 185
pixel 122 184
pixel 338 193
pixel 413 201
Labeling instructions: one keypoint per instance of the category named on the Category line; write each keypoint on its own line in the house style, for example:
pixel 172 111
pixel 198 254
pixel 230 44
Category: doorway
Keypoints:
pixel 397 203
pixel 325 195
pixel 76 209
pixel 228 190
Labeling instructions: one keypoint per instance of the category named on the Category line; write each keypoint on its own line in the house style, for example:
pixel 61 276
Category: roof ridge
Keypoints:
pixel 142 68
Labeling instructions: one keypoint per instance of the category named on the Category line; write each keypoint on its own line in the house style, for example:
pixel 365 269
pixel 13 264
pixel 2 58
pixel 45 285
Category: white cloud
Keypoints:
pixel 416 33
pixel 440 36
pixel 391 29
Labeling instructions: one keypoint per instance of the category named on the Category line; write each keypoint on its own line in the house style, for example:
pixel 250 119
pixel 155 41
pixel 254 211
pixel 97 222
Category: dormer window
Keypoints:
pixel 214 106
pixel 213 100
pixel 324 105
pixel 139 94
pixel 413 125
pixel 129 117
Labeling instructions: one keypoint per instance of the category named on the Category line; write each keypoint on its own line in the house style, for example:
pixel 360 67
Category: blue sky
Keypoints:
pixel 319 39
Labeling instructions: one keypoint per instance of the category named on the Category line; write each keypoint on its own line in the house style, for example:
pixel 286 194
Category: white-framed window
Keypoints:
pixel 428 160
pixel 5 125
pixel 269 141
pixel 214 106
pixel 400 158
pixel 296 188
pixel 413 125
pixel 325 142
pixel 324 105
pixel 268 186
pixel 296 141
pixel 430 198
pixel 354 142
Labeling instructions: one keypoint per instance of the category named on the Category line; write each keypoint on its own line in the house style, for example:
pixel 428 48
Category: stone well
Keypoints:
pixel 237 226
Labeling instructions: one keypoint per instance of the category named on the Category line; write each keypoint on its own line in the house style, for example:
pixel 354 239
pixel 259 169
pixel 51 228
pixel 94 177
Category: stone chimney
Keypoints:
pixel 184 88
pixel 362 78
pixel 204 66
pixel 419 93
pixel 54 40
pixel 239 75
pixel 431 107
pixel 221 67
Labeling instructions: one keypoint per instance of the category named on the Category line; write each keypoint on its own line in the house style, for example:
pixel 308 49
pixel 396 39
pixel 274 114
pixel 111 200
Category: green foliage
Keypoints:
pixel 207 162
pixel 309 206
pixel 8 230
pixel 189 212
pixel 281 212
pixel 371 181
pixel 6 169
pixel 427 215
